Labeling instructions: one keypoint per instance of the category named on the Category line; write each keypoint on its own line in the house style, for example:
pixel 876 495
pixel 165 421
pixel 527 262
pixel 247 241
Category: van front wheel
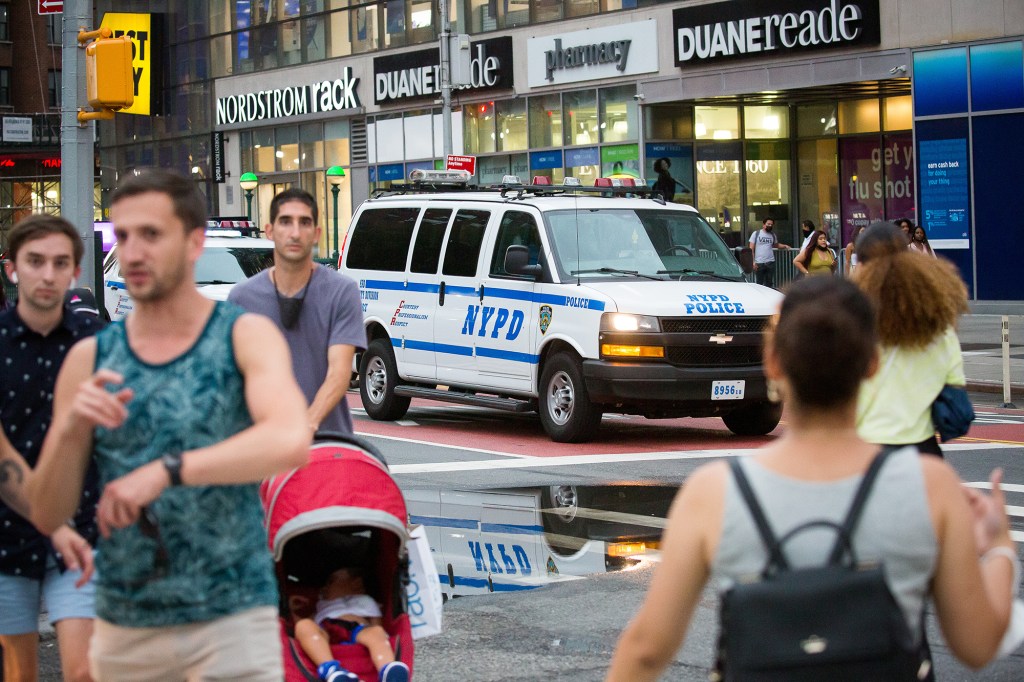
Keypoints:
pixel 758 419
pixel 566 412
pixel 378 377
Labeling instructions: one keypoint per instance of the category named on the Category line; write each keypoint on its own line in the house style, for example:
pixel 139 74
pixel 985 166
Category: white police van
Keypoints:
pixel 231 254
pixel 571 301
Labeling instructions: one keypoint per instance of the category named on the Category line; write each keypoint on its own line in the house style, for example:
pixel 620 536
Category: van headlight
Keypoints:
pixel 625 322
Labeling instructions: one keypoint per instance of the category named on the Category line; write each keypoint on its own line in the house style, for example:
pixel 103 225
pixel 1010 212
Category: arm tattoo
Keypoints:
pixel 10 471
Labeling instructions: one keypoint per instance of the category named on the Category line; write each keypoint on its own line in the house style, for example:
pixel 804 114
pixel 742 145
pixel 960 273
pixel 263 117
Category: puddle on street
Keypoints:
pixel 507 540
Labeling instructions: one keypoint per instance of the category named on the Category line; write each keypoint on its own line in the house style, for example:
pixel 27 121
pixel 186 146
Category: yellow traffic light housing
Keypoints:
pixel 109 79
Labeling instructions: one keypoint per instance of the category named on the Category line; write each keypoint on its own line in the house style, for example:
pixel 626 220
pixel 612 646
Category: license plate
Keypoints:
pixel 727 390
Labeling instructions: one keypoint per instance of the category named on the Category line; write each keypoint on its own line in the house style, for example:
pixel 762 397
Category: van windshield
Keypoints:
pixel 224 265
pixel 638 243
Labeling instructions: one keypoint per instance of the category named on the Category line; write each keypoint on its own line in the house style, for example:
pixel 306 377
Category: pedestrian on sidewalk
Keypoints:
pixel 184 405
pixel 316 308
pixel 35 336
pixel 919 243
pixel 917 302
pixel 816 258
pixel 763 242
pixel 951 545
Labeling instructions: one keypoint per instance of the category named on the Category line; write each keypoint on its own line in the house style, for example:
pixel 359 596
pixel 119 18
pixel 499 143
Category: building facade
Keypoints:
pixel 30 94
pixel 838 111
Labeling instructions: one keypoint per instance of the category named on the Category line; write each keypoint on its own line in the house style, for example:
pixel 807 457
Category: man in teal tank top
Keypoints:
pixel 185 405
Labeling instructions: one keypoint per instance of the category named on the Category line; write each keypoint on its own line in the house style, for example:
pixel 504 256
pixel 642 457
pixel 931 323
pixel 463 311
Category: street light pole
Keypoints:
pixel 335 176
pixel 248 182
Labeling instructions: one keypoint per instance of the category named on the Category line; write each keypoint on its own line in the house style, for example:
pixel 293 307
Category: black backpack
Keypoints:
pixel 833 622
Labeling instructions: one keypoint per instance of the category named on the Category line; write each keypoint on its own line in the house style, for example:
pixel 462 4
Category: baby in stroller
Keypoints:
pixel 345 613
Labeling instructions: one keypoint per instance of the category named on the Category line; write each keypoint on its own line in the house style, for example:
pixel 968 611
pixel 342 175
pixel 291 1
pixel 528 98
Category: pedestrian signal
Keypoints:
pixel 108 68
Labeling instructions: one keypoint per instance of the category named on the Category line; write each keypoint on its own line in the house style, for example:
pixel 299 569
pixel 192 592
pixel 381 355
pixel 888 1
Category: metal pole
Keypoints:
pixel 446 77
pixel 76 139
pixel 335 190
pixel 1006 364
pixel 248 204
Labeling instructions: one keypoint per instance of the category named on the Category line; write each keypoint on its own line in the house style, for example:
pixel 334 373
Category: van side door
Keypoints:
pixel 458 320
pixel 506 353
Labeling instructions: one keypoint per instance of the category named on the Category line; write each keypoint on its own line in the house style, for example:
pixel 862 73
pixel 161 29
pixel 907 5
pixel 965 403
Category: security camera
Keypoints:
pixel 902 68
pixel 639 97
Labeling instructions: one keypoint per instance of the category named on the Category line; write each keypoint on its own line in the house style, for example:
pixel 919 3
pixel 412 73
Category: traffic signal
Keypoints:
pixel 108 69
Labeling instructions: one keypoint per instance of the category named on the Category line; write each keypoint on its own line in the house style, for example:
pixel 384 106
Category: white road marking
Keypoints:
pixel 529 461
pixel 439 445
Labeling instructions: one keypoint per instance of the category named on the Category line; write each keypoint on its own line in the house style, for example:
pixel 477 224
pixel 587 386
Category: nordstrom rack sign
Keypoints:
pixel 336 94
pixel 744 28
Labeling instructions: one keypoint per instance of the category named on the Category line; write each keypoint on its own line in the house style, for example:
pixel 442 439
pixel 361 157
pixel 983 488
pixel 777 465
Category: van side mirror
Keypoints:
pixel 517 262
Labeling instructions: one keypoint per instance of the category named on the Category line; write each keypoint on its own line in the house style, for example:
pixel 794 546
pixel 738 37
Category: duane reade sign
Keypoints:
pixel 596 53
pixel 746 28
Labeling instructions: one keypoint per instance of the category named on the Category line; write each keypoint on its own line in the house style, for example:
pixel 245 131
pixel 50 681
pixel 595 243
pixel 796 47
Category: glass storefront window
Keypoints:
pixel 718 188
pixel 419 135
pixel 511 118
pixel 287 152
pixel 584 164
pixel 618 114
pixel 547 164
pixel 668 122
pixel 766 122
pixel 818 185
pixel 858 116
pixel 620 161
pixel 716 123
pixel 580 116
pixel 311 146
pixel 478 126
pixel 898 113
pixel 263 150
pixel 336 144
pixel 814 120
pixel 245 150
pixel 768 185
pixel 545 121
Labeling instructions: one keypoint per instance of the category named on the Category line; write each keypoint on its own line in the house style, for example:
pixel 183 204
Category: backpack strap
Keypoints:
pixel 857 505
pixel 771 543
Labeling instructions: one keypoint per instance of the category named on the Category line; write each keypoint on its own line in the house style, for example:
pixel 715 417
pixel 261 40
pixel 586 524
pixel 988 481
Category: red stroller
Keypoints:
pixel 343 502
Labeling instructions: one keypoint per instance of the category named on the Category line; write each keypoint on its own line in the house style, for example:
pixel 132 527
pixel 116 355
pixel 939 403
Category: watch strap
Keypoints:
pixel 172 462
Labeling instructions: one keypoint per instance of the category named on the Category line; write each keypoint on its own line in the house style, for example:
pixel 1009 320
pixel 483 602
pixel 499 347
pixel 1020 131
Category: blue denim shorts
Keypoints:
pixel 20 599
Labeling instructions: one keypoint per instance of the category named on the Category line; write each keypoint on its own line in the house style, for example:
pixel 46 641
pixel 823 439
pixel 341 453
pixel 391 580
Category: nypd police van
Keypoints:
pixel 571 301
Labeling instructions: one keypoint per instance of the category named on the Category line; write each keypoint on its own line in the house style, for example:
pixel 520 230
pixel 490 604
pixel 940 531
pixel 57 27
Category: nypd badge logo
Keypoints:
pixel 545 318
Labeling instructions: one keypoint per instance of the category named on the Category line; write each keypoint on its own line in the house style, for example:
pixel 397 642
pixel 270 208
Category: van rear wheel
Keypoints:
pixel 758 419
pixel 378 378
pixel 566 412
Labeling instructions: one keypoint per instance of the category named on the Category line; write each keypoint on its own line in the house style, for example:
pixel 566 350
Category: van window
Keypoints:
pixel 426 254
pixel 463 250
pixel 380 240
pixel 517 229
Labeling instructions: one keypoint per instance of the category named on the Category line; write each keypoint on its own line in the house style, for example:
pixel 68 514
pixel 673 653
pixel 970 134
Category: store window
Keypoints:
pixel 767 178
pixel 815 120
pixel 584 164
pixel 620 161
pixel 547 164
pixel 818 185
pixel 858 116
pixel 718 187
pixel 511 120
pixel 545 121
pixel 580 115
pixel 671 165
pixel 897 113
pixel 492 169
pixel 668 122
pixel 263 150
pixel 287 152
pixel 716 123
pixel 419 134
pixel 618 114
pixel 861 182
pixel 766 122
pixel 336 144
pixel 245 151
pixel 311 146
pixel 479 128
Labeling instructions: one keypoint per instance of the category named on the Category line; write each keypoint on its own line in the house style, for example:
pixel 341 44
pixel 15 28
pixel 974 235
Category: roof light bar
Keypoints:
pixel 440 176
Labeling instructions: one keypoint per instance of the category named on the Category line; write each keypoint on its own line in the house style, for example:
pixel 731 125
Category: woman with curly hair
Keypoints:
pixel 920 351
pixel 816 258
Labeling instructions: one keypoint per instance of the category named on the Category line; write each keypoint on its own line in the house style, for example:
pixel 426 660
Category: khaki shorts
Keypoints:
pixel 242 646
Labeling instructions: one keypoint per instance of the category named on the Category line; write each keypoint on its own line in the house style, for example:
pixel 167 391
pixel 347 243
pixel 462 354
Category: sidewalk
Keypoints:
pixel 981 342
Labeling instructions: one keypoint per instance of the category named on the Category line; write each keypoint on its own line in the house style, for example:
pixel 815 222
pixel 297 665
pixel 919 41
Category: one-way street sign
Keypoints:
pixel 50 6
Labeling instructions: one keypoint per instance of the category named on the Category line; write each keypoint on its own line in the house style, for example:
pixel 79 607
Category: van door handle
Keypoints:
pixel 481 293
pixel 440 294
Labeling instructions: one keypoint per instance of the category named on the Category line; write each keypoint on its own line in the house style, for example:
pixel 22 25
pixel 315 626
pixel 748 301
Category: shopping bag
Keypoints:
pixel 423 591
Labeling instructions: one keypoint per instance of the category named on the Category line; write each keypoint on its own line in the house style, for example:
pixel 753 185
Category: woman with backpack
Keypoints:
pixel 950 544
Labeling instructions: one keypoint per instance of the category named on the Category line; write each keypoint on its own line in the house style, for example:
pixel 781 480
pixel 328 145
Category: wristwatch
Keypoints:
pixel 172 462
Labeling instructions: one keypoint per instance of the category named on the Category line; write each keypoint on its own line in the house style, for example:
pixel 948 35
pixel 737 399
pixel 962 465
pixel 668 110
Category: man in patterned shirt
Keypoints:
pixel 184 406
pixel 34 338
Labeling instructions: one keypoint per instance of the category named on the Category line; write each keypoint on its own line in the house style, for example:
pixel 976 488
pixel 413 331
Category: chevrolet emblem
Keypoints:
pixel 720 339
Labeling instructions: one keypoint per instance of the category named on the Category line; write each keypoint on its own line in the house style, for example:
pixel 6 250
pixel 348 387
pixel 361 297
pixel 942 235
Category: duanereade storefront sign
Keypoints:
pixel 418 74
pixel 745 28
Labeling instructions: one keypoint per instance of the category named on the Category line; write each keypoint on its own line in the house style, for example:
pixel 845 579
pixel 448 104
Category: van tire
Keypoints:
pixel 565 530
pixel 758 419
pixel 566 412
pixel 378 375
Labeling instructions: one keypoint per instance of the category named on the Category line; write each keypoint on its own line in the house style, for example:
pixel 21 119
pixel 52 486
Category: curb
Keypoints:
pixel 993 387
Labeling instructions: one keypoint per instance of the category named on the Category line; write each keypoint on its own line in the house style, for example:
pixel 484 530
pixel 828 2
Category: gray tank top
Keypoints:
pixel 895 526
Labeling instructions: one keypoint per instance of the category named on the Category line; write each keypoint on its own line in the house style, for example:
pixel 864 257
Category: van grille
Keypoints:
pixel 714 356
pixel 713 325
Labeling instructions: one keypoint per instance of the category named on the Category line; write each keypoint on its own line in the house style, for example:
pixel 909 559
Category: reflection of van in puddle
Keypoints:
pixel 510 540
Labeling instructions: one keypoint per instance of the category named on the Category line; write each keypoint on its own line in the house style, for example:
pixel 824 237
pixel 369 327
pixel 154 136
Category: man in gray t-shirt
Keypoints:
pixel 317 309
